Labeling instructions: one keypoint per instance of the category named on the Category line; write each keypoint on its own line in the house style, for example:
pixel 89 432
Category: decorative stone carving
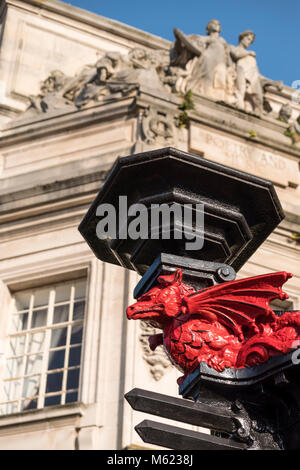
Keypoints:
pixel 207 74
pixel 113 75
pixel 158 127
pixel 293 128
pixel 157 360
pixel 297 125
pixel 249 89
pixel 285 112
pixel 293 131
pixel 220 71
pixel 52 95
pixel 207 65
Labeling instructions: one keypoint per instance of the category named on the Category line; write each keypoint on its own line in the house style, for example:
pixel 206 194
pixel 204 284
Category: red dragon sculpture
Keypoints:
pixel 227 325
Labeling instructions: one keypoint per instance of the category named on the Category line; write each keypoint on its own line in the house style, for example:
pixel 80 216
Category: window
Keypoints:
pixel 43 358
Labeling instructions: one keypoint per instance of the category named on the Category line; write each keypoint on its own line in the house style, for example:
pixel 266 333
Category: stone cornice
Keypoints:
pixel 226 119
pixel 270 132
pixel 41 418
pixel 49 123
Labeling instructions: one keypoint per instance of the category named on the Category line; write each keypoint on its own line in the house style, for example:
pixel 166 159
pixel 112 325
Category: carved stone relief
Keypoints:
pixel 207 65
pixel 285 112
pixel 213 68
pixel 157 360
pixel 51 96
pixel 112 76
pixel 158 127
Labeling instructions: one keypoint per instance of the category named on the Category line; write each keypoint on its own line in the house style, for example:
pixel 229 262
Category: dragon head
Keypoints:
pixel 161 303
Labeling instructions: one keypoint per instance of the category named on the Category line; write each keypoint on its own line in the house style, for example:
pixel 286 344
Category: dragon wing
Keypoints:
pixel 239 303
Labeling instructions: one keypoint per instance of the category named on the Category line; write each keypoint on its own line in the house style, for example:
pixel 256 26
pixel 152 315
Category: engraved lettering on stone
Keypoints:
pixel 247 157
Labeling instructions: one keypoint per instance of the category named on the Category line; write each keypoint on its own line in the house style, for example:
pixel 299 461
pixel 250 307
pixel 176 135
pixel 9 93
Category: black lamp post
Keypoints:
pixel 247 408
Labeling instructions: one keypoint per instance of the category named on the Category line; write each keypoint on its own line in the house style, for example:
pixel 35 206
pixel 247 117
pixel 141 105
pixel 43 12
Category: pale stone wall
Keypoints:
pixel 51 168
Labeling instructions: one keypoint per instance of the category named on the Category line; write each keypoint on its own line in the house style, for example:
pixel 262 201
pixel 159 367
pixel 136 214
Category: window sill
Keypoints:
pixel 43 414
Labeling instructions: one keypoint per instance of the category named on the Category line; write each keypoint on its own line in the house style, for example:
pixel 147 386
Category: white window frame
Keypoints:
pixel 38 276
pixel 45 352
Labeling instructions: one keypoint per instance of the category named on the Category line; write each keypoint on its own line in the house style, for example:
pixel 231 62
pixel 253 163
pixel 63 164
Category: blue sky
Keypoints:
pixel 276 24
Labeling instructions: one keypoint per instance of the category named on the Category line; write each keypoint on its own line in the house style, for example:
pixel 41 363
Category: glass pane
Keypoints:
pixel 12 390
pixel 22 301
pixel 80 288
pixel 73 379
pixel 76 335
pixel 31 386
pixel 14 367
pixel 29 404
pixel 54 382
pixel 58 337
pixel 74 356
pixel 19 322
pixel 62 293
pixel 41 297
pixel 36 342
pixel 61 313
pixel 17 345
pixel 56 359
pixel 71 397
pixel 53 400
pixel 33 364
pixel 39 318
pixel 78 311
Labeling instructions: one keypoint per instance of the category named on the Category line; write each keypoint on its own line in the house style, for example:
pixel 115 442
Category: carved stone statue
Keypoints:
pixel 209 75
pixel 206 65
pixel 285 112
pixel 250 85
pixel 114 73
pixel 206 60
pixel 90 83
pixel 117 73
pixel 249 90
pixel 51 96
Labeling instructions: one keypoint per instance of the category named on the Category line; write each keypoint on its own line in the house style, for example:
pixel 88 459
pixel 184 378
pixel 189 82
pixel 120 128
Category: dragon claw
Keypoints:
pixel 217 363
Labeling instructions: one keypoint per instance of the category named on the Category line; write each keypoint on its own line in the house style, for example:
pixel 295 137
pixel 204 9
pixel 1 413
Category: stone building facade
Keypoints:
pixel 76 91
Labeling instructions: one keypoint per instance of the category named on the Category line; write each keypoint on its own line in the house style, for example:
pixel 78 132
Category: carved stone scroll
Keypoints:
pixel 157 360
